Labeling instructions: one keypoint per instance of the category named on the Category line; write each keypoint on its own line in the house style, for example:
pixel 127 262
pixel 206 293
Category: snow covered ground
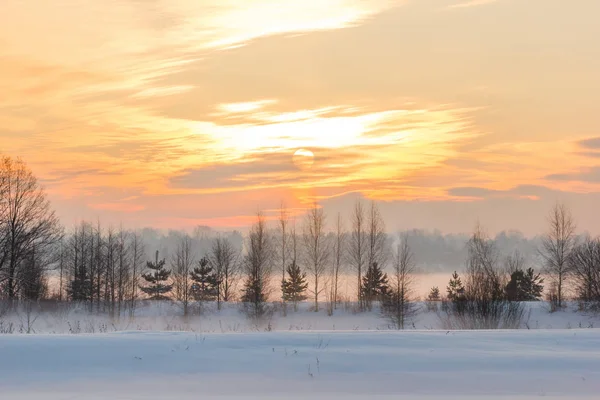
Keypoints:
pixel 422 365
pixel 165 316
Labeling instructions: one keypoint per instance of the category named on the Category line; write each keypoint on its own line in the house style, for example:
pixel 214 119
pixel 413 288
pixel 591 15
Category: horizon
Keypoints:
pixel 186 113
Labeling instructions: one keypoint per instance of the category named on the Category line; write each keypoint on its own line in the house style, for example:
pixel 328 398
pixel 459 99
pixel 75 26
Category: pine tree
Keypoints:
pixel 255 296
pixel 295 285
pixel 34 285
pixel 456 295
pixel 433 299
pixel 80 287
pixel 524 286
pixel 375 285
pixel 455 289
pixel 434 294
pixel 157 280
pixel 206 282
pixel 534 285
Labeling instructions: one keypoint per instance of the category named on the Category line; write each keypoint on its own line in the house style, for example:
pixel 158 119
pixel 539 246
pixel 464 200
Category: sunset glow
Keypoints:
pixel 184 112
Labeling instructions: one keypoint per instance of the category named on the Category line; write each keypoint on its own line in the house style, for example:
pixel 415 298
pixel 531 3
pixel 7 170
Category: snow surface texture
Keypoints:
pixel 422 365
pixel 166 316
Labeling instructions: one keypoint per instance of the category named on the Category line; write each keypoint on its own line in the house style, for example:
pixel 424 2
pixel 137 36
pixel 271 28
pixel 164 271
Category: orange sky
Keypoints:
pixel 173 113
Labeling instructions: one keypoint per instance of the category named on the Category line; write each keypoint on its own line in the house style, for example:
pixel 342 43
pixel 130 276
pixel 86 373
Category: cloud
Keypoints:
pixel 202 102
pixel 589 154
pixel 239 175
pixel 471 3
pixel 244 107
pixel 591 143
pixel 591 175
pixel 471 192
pixel 117 207
pixel 532 192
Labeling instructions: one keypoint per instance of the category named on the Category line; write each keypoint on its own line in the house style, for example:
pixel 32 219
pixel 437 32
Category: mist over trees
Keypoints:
pixel 111 269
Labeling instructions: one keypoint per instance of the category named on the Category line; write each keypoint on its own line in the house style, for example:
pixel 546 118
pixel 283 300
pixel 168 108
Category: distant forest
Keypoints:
pixel 434 251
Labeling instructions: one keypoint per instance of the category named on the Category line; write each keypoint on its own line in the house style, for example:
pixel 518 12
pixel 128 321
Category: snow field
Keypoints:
pixel 423 365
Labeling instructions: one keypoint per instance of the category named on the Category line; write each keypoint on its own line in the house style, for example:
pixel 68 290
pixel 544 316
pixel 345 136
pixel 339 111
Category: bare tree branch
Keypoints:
pixel 316 249
pixel 557 246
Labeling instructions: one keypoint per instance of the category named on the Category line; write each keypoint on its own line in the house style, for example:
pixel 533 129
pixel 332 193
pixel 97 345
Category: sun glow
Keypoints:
pixel 303 159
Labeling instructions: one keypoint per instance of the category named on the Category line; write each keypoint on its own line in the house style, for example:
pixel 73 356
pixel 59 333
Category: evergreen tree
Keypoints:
pixel 34 285
pixel 295 285
pixel 80 289
pixel 524 286
pixel 534 285
pixel 433 298
pixel 434 294
pixel 455 289
pixel 205 286
pixel 80 286
pixel 375 285
pixel 157 280
pixel 254 294
pixel 456 295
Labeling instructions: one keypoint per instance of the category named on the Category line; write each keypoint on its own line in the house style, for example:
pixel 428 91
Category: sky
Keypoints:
pixel 178 113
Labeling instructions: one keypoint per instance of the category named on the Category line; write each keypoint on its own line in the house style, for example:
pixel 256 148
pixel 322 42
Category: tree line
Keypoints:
pixel 109 269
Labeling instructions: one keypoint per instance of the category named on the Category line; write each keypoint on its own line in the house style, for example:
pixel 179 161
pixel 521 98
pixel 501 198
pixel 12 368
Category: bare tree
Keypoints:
pixel 223 258
pixel 6 171
pixel 283 241
pixel 137 263
pixel 483 276
pixel 98 266
pixel 483 304
pixel 258 264
pixel 61 269
pixel 515 262
pixel 339 248
pixel 377 238
pixel 377 251
pixel 584 263
pixel 557 246
pixel 181 265
pixel 123 267
pixel 294 244
pixel 399 305
pixel 358 246
pixel 26 222
pixel 316 249
pixel 110 282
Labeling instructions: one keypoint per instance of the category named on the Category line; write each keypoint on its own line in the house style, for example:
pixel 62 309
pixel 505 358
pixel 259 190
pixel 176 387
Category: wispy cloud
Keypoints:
pixel 244 107
pixel 205 102
pixel 471 3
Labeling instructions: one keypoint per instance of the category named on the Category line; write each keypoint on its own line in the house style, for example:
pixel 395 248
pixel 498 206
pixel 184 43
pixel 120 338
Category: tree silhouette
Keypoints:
pixel 524 286
pixel 295 285
pixel 205 286
pixel 157 280
pixel 375 285
pixel 434 294
pixel 455 289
